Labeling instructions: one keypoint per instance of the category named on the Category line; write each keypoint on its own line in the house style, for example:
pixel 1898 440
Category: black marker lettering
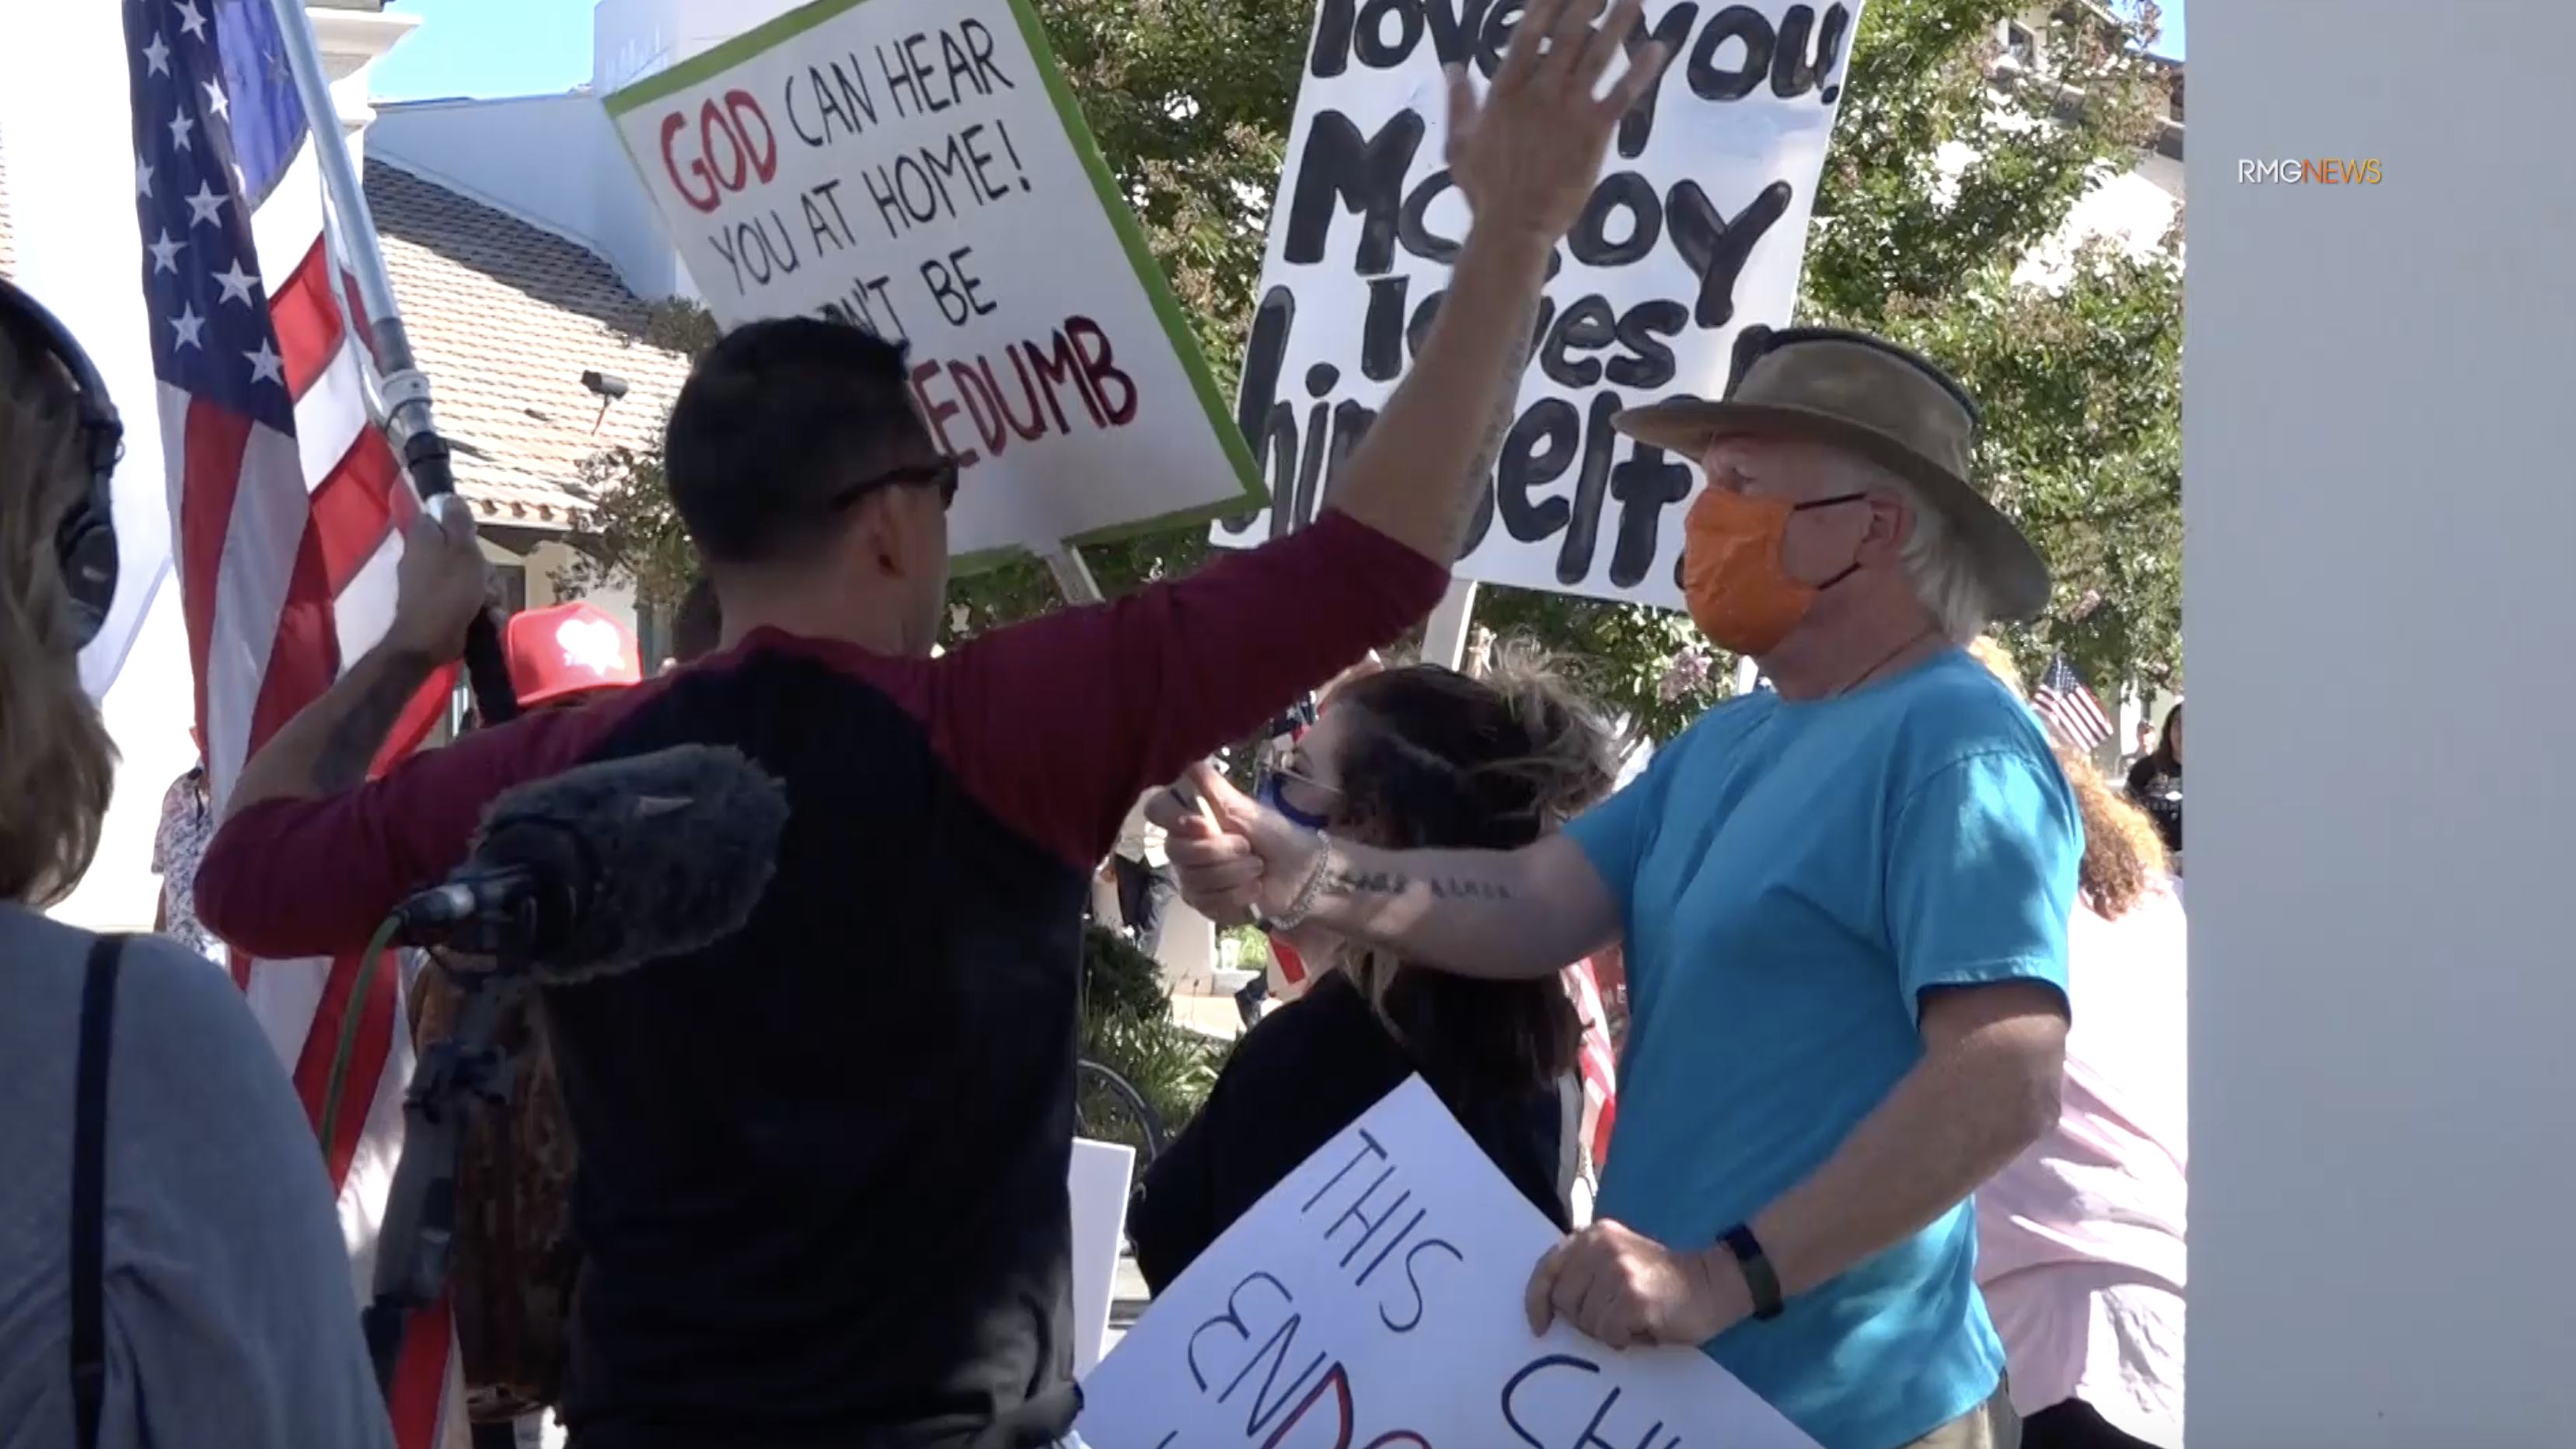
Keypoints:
pixel 1716 247
pixel 1574 552
pixel 1264 1408
pixel 1382 329
pixel 1586 327
pixel 979 50
pixel 1648 367
pixel 1512 1387
pixel 1670 29
pixel 1368 1225
pixel 1369 40
pixel 1362 175
pixel 1537 451
pixel 1232 1318
pixel 1645 485
pixel 1743 24
pixel 1392 1244
pixel 1368 1148
pixel 1413 1281
pixel 1412 225
pixel 1796 68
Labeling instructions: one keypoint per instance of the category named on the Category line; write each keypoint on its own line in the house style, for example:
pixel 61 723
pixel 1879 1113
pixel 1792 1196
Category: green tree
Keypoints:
pixel 2080 381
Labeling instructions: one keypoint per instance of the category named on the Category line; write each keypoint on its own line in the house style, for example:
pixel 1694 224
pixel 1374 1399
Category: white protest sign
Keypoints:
pixel 1696 228
pixel 1099 1179
pixel 1373 1300
pixel 917 167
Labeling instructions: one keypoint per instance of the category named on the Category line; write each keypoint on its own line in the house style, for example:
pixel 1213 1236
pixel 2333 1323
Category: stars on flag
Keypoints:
pixel 266 365
pixel 237 284
pixel 207 150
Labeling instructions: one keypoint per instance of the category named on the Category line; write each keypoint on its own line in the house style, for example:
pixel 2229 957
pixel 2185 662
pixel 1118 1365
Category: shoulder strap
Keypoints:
pixel 89 1189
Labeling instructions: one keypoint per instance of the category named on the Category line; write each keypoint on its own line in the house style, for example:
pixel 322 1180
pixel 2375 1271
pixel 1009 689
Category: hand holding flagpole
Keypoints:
pixel 408 419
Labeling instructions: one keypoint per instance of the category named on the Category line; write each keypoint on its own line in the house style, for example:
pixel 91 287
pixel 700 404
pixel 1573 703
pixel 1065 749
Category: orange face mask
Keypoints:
pixel 1739 594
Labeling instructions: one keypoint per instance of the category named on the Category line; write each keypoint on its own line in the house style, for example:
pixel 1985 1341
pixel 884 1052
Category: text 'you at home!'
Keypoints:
pixel 864 178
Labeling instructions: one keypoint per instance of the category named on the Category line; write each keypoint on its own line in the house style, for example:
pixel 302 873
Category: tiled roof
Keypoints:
pixel 505 318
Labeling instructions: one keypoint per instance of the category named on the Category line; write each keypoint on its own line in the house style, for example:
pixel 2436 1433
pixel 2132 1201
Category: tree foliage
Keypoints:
pixel 1939 185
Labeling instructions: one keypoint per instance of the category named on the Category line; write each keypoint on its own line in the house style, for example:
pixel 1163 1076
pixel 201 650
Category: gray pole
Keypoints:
pixel 408 419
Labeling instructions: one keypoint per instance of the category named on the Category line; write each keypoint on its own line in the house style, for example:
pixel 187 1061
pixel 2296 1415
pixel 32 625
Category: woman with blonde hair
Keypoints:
pixel 1405 757
pixel 2080 1242
pixel 171 1266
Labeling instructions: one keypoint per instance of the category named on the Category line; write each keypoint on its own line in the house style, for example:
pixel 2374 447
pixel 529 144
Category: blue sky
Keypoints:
pixel 523 47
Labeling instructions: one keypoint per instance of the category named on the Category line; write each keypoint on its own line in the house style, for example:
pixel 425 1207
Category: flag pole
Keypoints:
pixel 408 421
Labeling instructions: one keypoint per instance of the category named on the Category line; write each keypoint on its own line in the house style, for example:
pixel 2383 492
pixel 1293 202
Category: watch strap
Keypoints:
pixel 1759 1276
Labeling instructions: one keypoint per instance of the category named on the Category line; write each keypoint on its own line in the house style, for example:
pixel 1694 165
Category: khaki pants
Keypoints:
pixel 1991 1425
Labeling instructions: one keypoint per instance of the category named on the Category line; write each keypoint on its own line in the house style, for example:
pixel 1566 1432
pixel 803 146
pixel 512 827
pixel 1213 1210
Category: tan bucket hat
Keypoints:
pixel 1879 400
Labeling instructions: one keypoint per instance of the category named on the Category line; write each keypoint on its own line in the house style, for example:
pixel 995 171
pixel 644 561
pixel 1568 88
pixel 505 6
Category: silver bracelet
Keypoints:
pixel 1303 904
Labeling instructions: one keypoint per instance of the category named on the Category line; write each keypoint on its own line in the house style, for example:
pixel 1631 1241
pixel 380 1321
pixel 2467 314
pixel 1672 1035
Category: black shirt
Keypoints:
pixel 822 1196
pixel 1304 1073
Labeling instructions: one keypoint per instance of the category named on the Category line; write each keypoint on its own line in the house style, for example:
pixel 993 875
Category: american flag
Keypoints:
pixel 1599 1060
pixel 287 506
pixel 2069 707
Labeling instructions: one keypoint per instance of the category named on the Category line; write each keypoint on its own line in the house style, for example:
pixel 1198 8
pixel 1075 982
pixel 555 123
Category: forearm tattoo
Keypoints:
pixel 351 745
pixel 1489 447
pixel 1353 883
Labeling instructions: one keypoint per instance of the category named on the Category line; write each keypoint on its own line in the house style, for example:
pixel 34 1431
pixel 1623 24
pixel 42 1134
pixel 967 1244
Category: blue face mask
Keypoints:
pixel 1268 793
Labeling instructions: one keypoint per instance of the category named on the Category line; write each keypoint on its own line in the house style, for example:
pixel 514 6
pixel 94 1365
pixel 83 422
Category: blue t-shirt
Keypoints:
pixel 1793 875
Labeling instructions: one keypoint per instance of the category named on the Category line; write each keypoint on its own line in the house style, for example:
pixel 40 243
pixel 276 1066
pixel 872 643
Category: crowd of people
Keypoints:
pixel 1900 1138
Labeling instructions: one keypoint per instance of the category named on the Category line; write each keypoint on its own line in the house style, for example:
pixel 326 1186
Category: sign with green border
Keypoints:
pixel 918 167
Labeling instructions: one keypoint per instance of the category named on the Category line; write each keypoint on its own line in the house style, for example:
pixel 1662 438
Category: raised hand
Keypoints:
pixel 1528 155
pixel 442 583
pixel 1245 858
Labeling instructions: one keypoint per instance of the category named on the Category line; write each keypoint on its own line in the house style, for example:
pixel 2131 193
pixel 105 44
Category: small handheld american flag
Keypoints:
pixel 2069 707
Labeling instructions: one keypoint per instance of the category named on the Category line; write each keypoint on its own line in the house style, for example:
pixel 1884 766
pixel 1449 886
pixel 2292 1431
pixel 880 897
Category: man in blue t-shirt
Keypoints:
pixel 1844 902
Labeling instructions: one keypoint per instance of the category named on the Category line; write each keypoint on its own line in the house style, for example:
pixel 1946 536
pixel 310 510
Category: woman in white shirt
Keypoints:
pixel 2080 1242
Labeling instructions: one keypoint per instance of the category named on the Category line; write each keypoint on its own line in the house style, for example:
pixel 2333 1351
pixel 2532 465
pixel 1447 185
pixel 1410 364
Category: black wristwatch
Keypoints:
pixel 1759 1276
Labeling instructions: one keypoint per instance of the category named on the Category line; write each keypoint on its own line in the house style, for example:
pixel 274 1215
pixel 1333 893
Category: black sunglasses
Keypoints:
pixel 941 475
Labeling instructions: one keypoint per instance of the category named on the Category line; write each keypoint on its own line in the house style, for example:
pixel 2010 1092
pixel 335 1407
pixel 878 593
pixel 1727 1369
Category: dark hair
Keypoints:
pixel 1435 759
pixel 775 421
pixel 2164 756
pixel 699 625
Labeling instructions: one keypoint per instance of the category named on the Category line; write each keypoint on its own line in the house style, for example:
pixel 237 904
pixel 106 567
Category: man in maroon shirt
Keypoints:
pixel 822 1192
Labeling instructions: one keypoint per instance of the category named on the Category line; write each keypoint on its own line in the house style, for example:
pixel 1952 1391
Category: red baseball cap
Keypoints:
pixel 569 649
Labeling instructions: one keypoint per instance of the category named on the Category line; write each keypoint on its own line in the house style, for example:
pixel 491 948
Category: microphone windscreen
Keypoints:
pixel 666 853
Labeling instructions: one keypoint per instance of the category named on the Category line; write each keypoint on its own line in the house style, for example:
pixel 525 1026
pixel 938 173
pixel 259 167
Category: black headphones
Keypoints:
pixel 85 540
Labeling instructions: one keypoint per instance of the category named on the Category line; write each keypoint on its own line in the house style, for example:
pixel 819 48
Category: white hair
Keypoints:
pixel 1944 576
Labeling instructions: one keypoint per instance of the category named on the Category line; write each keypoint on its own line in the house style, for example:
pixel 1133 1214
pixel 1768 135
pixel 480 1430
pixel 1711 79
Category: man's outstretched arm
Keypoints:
pixel 1497 914
pixel 1131 693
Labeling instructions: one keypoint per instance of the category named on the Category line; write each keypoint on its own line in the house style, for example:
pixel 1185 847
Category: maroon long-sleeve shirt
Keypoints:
pixel 822 1195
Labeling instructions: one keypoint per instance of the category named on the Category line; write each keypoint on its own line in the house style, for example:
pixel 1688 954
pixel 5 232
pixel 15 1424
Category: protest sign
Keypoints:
pixel 1373 1300
pixel 1099 1179
pixel 918 168
pixel 1695 229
